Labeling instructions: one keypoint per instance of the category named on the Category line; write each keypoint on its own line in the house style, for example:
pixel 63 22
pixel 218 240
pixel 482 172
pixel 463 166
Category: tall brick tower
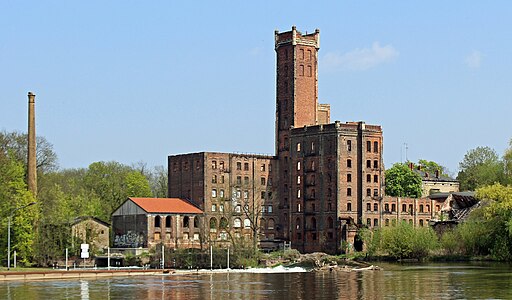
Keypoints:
pixel 31 153
pixel 296 100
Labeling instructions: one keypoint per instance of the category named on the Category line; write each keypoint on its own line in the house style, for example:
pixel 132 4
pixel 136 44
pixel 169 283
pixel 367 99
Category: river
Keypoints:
pixel 426 281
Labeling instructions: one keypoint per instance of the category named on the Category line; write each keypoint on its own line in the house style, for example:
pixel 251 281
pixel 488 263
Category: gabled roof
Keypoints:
pixel 84 218
pixel 166 205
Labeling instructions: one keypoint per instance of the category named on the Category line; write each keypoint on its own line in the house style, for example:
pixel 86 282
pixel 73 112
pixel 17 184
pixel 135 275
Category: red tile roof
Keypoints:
pixel 166 205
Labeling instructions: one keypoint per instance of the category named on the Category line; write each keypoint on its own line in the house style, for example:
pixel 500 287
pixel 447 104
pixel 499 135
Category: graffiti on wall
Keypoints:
pixel 129 240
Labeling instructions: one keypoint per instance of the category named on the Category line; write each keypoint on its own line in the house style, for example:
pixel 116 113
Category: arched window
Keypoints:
pixel 223 223
pixel 313 223
pixel 237 223
pixel 297 223
pixel 270 223
pixel 263 224
pixel 428 208
pixel 157 221
pixel 213 223
pixel 330 223
pixel 421 208
pixel 196 222
pixel 404 207
pixel 247 223
pixel 186 221
pixel 168 221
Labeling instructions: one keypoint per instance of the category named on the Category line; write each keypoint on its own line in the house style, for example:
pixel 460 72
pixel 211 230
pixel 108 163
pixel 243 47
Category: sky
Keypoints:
pixel 136 81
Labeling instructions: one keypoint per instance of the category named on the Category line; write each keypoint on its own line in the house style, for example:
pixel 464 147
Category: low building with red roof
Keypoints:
pixel 147 222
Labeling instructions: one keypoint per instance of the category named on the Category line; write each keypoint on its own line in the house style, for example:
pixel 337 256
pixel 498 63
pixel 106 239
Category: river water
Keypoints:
pixel 429 281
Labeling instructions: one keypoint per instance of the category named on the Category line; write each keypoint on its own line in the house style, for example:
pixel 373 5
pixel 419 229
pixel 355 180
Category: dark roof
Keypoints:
pixel 84 218
pixel 432 177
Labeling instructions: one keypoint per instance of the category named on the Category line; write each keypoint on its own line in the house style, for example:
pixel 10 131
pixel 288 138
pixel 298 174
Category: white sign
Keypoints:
pixel 85 250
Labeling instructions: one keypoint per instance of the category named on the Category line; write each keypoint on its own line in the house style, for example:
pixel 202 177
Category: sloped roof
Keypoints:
pixel 84 218
pixel 166 205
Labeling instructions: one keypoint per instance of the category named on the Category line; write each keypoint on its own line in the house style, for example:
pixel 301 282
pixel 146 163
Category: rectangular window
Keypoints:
pixel 238 193
pixel 368 192
pixel 386 207
pixel 246 180
pixel 375 192
pixel 262 195
pixel 375 222
pixel 214 193
pixel 298 166
pixel 263 181
pixel 214 207
pixel 375 178
pixel 298 179
pixel 349 163
pixel 298 147
pixel 239 180
pixel 262 168
pixel 368 146
pixel 221 193
pixel 270 209
pixel 393 207
pixel 349 192
pixel 376 147
pixel 368 178
pixel 214 164
pixel 246 166
pixel 349 206
pixel 214 179
pixel 349 145
pixel 221 178
pixel 298 194
pixel 375 164
pixel 298 207
pixel 349 177
pixel 239 166
pixel 368 207
pixel 246 194
pixel 375 207
pixel 221 165
pixel 368 163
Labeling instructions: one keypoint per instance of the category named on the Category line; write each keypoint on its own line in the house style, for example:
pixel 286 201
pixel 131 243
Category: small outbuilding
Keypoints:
pixel 93 231
pixel 147 222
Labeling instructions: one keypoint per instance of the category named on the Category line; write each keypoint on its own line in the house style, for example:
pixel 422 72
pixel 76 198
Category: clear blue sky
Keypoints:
pixel 138 80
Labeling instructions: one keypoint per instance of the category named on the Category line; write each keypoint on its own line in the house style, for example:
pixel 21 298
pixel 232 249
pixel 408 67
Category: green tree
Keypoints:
pixel 17 144
pixel 481 166
pixel 13 195
pixel 507 164
pixel 431 167
pixel 401 181
pixel 405 241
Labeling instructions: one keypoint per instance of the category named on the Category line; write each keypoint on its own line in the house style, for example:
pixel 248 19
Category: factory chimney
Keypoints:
pixel 31 154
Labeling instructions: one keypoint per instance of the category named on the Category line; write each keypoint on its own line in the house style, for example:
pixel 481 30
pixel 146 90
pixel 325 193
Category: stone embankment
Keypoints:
pixel 63 274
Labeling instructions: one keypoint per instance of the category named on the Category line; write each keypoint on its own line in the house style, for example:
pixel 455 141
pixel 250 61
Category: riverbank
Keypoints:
pixel 74 274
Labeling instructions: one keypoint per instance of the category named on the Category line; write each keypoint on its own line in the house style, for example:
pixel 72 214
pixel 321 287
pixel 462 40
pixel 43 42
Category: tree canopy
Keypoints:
pixel 401 181
pixel 480 167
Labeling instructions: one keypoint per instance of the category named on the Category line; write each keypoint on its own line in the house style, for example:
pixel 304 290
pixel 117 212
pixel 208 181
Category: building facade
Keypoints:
pixel 147 222
pixel 314 191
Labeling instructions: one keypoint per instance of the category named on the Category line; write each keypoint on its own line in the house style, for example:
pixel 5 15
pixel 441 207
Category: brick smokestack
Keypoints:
pixel 31 154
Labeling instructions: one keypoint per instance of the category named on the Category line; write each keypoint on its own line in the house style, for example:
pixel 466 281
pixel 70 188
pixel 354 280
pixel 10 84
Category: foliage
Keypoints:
pixel 401 181
pixel 481 166
pixel 431 167
pixel 17 144
pixel 13 196
pixel 405 241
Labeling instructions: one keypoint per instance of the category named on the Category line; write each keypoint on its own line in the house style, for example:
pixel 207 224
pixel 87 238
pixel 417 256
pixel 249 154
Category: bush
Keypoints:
pixel 405 241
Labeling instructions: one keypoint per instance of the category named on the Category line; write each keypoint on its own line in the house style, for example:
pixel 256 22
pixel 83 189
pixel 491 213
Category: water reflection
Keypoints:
pixel 396 281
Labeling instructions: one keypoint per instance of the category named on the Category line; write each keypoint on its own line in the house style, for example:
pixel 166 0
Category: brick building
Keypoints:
pixel 147 222
pixel 315 189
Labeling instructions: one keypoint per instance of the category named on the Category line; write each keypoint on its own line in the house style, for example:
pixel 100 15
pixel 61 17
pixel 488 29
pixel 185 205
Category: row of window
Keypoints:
pixel 221 180
pixel 237 223
pixel 246 166
pixel 313 207
pixel 168 220
pixel 404 208
pixel 238 194
pixel 393 222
